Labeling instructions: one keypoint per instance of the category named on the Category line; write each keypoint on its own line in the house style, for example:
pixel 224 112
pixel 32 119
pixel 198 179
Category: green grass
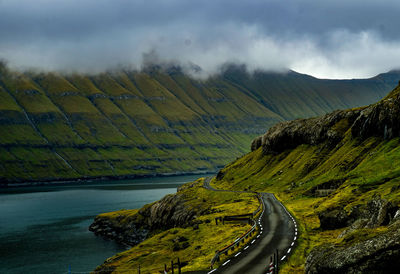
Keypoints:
pixel 366 168
pixel 183 124
pixel 157 250
pixel 83 84
pixel 54 84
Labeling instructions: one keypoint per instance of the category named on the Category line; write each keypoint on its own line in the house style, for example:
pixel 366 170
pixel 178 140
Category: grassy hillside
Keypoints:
pixel 339 175
pixel 194 241
pixel 341 162
pixel 127 123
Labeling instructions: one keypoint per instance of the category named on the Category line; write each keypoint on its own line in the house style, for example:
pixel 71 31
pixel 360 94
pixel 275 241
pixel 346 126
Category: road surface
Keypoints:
pixel 278 231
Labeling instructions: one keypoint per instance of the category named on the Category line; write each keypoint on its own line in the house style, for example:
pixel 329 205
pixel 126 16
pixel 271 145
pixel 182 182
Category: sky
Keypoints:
pixel 334 39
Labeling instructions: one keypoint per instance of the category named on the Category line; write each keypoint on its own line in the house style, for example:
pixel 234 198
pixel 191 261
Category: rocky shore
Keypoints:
pixel 131 227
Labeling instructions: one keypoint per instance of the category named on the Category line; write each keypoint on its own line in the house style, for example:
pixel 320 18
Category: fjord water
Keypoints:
pixel 44 229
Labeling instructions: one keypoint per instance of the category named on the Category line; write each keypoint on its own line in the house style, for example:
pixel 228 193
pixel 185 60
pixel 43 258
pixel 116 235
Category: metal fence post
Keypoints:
pixel 277 261
pixel 274 260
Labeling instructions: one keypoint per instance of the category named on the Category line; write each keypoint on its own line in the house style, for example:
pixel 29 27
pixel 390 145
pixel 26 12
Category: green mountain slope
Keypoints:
pixel 131 123
pixel 340 176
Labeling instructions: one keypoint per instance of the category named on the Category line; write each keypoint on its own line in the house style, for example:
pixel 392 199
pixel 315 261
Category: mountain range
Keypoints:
pixel 59 126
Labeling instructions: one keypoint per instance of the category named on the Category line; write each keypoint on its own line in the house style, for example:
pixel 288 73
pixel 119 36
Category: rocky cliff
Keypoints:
pixel 380 120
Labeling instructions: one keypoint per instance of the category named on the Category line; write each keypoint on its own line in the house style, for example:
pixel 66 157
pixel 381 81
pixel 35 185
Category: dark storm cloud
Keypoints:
pixel 324 38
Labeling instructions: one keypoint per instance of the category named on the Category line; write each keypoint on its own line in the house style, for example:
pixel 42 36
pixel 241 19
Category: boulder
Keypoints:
pixel 381 212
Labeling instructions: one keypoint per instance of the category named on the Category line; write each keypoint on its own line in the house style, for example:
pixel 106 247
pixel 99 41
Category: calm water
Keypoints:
pixel 45 229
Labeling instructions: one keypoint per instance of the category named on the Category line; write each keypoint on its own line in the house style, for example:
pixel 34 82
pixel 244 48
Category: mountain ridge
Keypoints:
pixel 128 123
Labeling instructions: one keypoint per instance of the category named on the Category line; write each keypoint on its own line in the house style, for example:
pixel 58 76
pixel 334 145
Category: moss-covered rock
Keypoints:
pixel 379 254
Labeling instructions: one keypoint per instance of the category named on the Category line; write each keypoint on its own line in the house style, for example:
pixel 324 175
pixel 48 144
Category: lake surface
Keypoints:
pixel 44 229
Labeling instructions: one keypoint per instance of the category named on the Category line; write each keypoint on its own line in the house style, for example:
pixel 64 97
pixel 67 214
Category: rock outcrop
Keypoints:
pixel 375 213
pixel 129 233
pixel 380 254
pixel 288 135
pixel 171 211
pixel 380 119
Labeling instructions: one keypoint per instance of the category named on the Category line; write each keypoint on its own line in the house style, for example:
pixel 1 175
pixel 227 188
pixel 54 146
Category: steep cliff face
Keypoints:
pixel 288 135
pixel 381 119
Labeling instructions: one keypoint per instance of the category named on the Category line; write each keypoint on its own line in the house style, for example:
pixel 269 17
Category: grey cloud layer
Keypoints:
pixel 336 39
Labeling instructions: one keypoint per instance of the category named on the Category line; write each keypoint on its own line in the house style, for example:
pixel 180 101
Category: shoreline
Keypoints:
pixel 62 181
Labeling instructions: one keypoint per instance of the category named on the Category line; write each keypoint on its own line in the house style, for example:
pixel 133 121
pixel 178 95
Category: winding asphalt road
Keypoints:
pixel 278 231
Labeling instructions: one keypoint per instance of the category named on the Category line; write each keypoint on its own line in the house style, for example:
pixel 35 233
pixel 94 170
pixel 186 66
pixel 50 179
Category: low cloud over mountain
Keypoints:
pixel 333 39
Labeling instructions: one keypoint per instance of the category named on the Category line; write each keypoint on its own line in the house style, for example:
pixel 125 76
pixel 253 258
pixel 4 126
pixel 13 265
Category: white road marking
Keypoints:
pixel 281 259
pixel 290 249
pixel 294 238
pixel 292 244
pixel 237 254
pixel 246 247
pixel 258 236
pixel 212 271
pixel 252 242
pixel 226 262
